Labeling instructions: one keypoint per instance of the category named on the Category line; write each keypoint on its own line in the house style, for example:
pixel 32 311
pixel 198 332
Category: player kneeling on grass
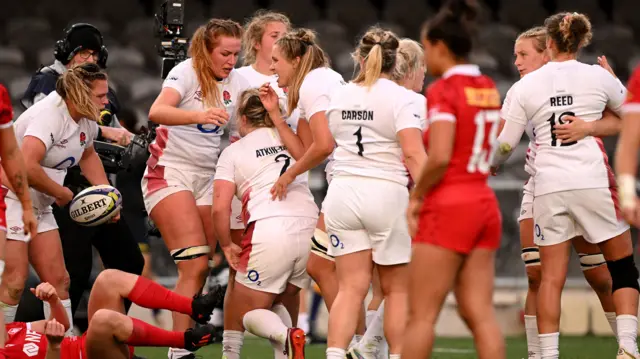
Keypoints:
pixel 111 333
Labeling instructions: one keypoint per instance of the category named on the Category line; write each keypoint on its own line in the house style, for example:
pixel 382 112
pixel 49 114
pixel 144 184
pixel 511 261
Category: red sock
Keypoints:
pixel 149 294
pixel 146 335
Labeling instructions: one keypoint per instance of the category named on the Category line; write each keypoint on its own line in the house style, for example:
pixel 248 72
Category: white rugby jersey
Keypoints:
pixel 254 163
pixel 365 122
pixel 257 79
pixel 316 91
pixel 193 147
pixel 529 162
pixel 64 139
pixel 556 90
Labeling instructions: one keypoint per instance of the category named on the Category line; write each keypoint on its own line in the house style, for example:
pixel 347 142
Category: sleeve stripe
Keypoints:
pixel 442 117
pixel 631 108
pixel 6 125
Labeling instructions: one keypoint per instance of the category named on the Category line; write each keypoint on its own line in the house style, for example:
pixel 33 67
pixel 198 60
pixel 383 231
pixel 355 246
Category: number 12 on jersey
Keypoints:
pixel 481 157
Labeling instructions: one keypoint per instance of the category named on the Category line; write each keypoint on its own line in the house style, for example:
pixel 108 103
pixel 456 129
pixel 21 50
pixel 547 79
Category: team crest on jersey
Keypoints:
pixel 13 331
pixel 226 97
pixel 83 139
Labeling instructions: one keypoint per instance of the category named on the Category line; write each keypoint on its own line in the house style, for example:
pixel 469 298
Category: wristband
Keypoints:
pixel 627 190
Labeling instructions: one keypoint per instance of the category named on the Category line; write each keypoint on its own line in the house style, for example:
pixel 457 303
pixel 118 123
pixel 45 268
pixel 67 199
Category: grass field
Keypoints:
pixel 570 347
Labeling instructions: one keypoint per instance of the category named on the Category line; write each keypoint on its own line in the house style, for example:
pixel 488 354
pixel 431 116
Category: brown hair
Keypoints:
pixel 301 43
pixel 203 42
pixel 75 86
pixel 254 31
pixel 538 35
pixel 252 108
pixel 377 50
pixel 409 60
pixel 569 31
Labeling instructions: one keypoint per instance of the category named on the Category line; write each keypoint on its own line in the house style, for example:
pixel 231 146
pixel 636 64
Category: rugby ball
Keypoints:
pixel 95 205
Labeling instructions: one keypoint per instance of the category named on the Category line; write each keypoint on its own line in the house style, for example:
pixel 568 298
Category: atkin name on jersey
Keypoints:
pixel 270 151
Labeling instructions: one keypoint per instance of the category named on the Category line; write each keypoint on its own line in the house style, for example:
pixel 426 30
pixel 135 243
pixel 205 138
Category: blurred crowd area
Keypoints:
pixel 31 28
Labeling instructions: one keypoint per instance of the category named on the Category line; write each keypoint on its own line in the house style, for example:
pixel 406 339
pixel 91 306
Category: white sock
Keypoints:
pixel 217 317
pixel 611 318
pixel 336 353
pixel 549 345
pixel 371 314
pixel 533 342
pixel 373 340
pixel 394 356
pixel 279 350
pixel 232 341
pixel 355 340
pixel 303 322
pixel 628 332
pixel 9 312
pixel 176 353
pixel 66 303
pixel 266 324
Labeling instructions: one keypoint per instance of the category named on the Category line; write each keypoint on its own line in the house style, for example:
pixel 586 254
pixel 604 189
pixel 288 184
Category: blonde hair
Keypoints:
pixel 538 35
pixel 203 42
pixel 377 50
pixel 409 60
pixel 75 85
pixel 252 108
pixel 301 43
pixel 569 31
pixel 254 31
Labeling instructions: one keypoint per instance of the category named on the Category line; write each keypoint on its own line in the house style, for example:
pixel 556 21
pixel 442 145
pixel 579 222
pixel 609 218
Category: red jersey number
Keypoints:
pixel 481 155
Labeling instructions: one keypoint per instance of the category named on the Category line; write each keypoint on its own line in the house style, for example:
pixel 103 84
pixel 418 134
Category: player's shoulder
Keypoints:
pixel 320 76
pixel 245 71
pixel 238 80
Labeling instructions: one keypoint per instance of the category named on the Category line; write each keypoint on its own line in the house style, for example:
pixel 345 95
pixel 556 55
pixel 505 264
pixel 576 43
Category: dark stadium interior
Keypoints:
pixel 31 28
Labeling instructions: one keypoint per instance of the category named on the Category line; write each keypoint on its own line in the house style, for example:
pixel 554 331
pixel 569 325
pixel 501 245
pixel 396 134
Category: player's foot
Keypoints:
pixel 203 305
pixel 295 343
pixel 356 352
pixel 200 336
pixel 623 354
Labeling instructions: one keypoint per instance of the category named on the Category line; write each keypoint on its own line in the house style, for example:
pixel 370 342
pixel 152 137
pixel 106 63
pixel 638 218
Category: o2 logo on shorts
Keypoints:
pixel 538 232
pixel 335 242
pixel 254 276
pixel 208 130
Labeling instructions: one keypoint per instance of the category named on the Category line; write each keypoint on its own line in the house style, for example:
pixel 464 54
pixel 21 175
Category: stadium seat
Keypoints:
pixel 522 15
pixel 125 57
pixel 117 12
pixel 410 13
pixel 327 29
pixel 355 15
pixel 498 39
pixel 101 24
pixel 617 43
pixel 237 10
pixel 397 29
pixel 591 8
pixel 8 73
pixel 299 11
pixel 11 56
pixel 145 88
pixel 18 86
pixel 626 12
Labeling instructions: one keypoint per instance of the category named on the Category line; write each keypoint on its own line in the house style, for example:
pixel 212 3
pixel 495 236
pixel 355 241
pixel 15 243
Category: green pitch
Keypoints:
pixel 570 347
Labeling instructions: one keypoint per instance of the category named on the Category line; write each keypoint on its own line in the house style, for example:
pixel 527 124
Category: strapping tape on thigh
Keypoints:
pixel 189 253
pixel 530 256
pixel 590 261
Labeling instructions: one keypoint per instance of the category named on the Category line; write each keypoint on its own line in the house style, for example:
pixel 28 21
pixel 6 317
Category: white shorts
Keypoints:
pixel 236 214
pixel 275 252
pixel 15 226
pixel 526 208
pixel 367 213
pixel 563 215
pixel 160 182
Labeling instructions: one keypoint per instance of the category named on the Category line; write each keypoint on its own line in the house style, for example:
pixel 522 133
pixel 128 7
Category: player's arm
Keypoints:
pixel 164 110
pixel 55 335
pixel 92 167
pixel 321 147
pixel 626 157
pixel 575 129
pixel 34 150
pixel 14 166
pixel 223 192
pixel 303 130
pixel 441 139
pixel 47 293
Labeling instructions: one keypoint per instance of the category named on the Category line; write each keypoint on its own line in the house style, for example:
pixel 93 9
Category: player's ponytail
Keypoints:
pixel 409 60
pixel 252 108
pixel 376 54
pixel 569 31
pixel 75 86
pixel 301 43
pixel 454 26
pixel 204 40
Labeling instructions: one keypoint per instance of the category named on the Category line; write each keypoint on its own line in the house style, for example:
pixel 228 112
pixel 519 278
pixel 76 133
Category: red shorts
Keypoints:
pixel 3 210
pixel 461 227
pixel 75 348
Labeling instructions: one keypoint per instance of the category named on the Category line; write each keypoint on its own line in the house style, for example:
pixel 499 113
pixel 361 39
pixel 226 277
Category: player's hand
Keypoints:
pixel 602 61
pixel 65 197
pixel 30 222
pixel 213 116
pixel 232 253
pixel 54 332
pixel 269 98
pixel 573 129
pixel 115 218
pixel 45 292
pixel 632 214
pixel 413 215
pixel 118 135
pixel 279 189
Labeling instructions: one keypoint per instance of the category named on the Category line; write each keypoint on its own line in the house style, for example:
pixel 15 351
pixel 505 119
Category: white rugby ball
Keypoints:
pixel 95 205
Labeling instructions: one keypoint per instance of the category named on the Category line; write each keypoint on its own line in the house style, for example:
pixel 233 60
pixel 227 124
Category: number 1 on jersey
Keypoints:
pixel 358 135
pixel 480 159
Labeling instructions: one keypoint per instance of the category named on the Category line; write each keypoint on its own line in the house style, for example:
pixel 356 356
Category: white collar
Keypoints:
pixel 465 70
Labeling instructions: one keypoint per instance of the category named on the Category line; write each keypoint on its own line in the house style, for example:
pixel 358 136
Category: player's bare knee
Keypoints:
pixel 531 258
pixel 599 280
pixel 14 282
pixel 107 278
pixel 624 274
pixel 534 278
pixel 195 269
pixel 104 321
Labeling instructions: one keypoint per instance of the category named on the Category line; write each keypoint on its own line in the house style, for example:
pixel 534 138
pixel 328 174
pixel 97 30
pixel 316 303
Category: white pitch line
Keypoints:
pixel 453 351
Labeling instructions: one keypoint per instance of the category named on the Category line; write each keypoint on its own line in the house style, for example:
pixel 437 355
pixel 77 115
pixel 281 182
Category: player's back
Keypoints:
pixel 464 96
pixel 544 97
pixel 254 163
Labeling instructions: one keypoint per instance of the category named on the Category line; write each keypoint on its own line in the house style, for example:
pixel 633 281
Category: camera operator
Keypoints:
pixel 115 242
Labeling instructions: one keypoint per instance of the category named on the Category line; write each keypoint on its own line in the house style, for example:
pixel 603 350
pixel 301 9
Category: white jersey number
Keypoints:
pixel 481 157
